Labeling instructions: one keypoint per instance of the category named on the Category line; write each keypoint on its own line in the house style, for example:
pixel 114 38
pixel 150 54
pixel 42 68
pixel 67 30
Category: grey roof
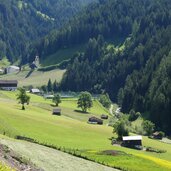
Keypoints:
pixel 57 110
pixel 8 82
pixel 35 90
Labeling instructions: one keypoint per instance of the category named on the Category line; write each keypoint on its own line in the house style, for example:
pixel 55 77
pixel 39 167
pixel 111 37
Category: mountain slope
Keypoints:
pixel 106 18
pixel 22 22
pixel 139 71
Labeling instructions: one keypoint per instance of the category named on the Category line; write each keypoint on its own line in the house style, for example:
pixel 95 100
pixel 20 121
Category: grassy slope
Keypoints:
pixel 67 53
pixel 38 123
pixel 50 159
pixel 37 78
pixel 61 55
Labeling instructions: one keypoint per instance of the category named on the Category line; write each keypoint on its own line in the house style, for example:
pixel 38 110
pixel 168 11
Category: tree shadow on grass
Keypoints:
pixel 80 111
pixel 52 105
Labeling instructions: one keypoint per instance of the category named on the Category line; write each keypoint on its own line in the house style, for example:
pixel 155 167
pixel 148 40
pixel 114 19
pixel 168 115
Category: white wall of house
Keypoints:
pixel 9 88
pixel 12 69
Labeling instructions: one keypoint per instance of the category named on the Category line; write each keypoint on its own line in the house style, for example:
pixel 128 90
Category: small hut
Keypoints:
pixel 56 111
pixel 132 141
pixel 35 91
pixel 103 116
pixel 157 135
pixel 48 96
pixel 94 120
pixel 9 85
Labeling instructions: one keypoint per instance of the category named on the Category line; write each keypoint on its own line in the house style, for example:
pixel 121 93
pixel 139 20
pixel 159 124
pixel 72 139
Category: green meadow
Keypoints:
pixel 71 131
pixel 36 79
pixel 62 54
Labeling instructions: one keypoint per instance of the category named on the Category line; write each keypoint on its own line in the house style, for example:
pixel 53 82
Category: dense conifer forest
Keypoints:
pixel 138 75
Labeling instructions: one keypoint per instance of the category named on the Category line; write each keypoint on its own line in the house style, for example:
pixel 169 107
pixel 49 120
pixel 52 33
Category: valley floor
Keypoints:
pixel 51 159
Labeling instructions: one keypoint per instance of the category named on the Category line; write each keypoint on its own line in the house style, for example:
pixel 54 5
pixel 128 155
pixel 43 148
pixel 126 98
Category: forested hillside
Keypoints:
pixel 110 18
pixel 24 21
pixel 138 75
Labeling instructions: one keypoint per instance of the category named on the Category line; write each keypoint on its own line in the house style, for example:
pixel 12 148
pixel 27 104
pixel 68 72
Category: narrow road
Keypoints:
pixel 111 109
pixel 52 160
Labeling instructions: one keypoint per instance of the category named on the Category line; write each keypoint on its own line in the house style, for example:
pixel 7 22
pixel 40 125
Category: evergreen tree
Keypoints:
pixel 49 86
pixel 55 86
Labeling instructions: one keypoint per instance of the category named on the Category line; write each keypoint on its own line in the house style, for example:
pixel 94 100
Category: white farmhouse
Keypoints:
pixel 1 71
pixel 12 69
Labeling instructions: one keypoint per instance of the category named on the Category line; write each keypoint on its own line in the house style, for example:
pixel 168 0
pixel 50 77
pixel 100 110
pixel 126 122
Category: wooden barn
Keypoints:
pixel 56 111
pixel 132 141
pixel 35 91
pixel 9 85
pixel 94 120
pixel 103 116
pixel 157 135
pixel 12 69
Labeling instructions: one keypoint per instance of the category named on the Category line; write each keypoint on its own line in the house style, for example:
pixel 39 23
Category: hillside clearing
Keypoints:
pixel 62 54
pixel 37 78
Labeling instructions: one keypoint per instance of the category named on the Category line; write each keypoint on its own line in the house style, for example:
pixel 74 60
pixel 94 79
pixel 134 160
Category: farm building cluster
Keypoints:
pixel 95 120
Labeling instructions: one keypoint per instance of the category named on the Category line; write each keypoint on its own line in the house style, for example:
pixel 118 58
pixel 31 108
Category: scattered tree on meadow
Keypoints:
pixel 56 99
pixel 85 101
pixel 105 100
pixel 148 127
pixel 22 97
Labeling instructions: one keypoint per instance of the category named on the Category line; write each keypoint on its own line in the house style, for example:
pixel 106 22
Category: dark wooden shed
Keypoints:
pixel 8 84
pixel 132 141
pixel 157 135
pixel 94 120
pixel 103 116
pixel 56 111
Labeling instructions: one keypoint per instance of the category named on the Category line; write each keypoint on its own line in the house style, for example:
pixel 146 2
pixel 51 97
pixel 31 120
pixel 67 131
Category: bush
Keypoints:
pixel 148 127
pixel 134 115
pixel 161 134
pixel 105 100
pixel 155 150
pixel 121 129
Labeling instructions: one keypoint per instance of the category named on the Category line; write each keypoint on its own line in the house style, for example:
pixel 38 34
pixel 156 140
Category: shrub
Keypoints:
pixel 121 129
pixel 134 115
pixel 155 150
pixel 148 127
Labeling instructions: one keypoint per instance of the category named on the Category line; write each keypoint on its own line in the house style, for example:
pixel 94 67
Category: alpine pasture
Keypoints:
pixel 71 132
